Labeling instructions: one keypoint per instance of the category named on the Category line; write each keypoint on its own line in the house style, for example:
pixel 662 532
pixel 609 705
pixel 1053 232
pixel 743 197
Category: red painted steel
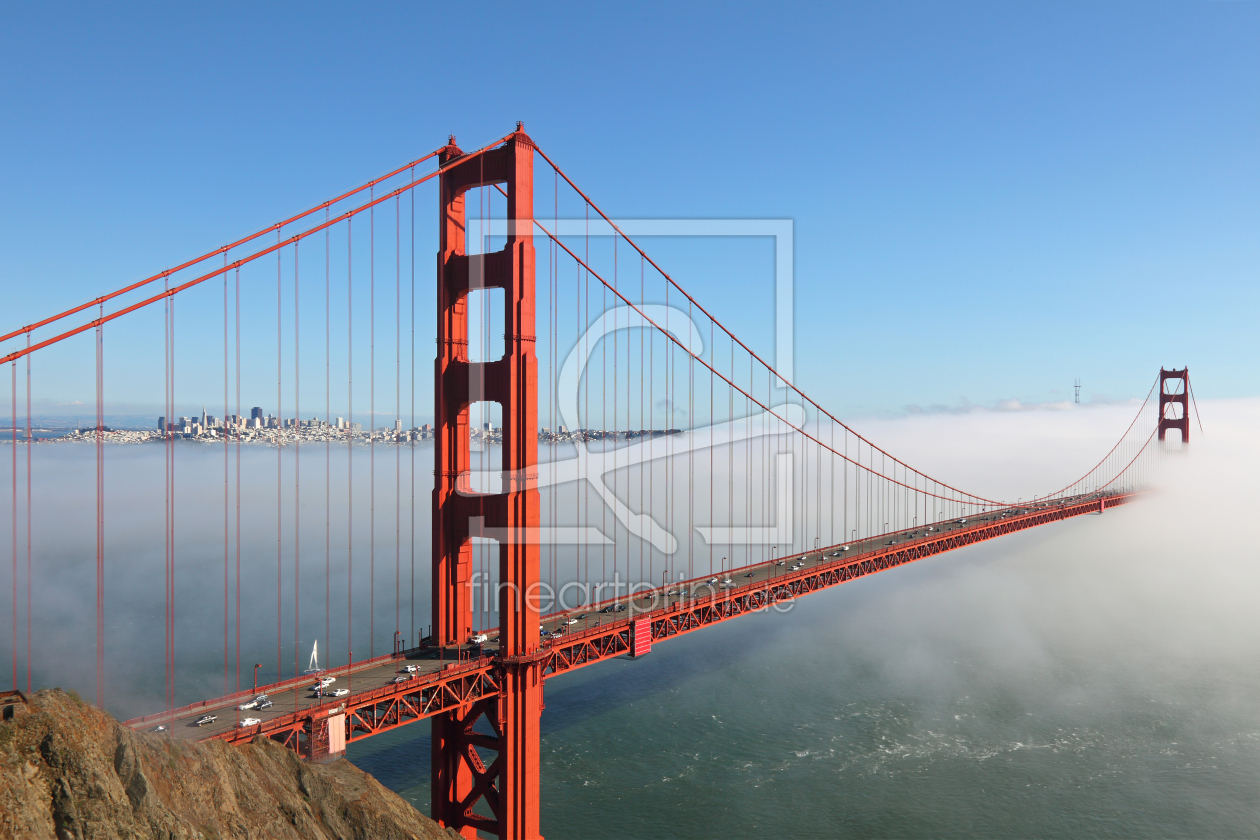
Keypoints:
pixel 692 302
pixel 617 639
pixel 174 290
pixel 268 688
pixel 217 251
pixel 369 713
pixel 640 637
pixel 1178 397
pixel 508 788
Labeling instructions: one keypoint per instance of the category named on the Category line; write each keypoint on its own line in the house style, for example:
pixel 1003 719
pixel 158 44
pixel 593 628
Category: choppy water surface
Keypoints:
pixel 985 694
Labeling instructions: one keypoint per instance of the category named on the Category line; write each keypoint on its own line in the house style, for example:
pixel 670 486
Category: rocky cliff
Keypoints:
pixel 69 771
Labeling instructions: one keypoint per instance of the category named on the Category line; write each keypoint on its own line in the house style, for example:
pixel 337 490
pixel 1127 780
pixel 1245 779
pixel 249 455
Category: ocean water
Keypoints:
pixel 1037 686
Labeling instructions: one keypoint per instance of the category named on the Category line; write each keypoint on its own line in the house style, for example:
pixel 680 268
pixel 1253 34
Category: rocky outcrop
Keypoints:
pixel 68 770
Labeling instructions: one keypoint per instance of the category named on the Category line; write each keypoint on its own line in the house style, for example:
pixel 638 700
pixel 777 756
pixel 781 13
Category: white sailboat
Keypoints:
pixel 313 665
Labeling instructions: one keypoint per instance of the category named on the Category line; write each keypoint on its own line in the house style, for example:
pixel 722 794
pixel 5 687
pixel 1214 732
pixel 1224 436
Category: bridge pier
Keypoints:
pixel 463 782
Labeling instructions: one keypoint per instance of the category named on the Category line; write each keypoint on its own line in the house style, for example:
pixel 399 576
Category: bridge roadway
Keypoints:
pixel 445 679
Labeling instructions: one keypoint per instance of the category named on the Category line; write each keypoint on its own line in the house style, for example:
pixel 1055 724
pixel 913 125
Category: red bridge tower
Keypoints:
pixel 1177 396
pixel 508 786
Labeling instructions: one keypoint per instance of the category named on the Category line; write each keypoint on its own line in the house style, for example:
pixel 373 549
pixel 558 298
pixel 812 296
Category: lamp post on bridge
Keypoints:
pixel 256 667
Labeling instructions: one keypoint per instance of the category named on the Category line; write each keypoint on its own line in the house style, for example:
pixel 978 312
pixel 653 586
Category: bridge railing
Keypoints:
pixel 269 688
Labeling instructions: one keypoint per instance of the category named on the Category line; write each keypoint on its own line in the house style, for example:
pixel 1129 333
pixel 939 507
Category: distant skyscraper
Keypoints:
pixel 255 413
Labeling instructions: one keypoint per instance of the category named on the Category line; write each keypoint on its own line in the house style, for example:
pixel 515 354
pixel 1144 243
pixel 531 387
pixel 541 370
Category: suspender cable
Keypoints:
pixel 350 442
pixel 372 431
pixel 297 469
pixel 100 517
pixel 29 442
pixel 13 498
pixel 411 436
pixel 170 497
pixel 327 442
pixel 279 473
pixel 237 333
pixel 691 472
pixel 615 420
pixel 397 416
pixel 226 494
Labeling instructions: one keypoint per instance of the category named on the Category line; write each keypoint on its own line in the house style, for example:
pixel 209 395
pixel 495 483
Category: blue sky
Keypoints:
pixel 989 199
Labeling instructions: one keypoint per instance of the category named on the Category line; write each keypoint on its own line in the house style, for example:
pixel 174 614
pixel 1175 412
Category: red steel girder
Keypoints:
pixel 614 639
pixel 388 707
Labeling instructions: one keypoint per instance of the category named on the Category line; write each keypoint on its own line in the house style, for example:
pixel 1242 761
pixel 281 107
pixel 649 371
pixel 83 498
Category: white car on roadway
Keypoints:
pixel 324 682
pixel 411 669
pixel 249 722
pixel 341 692
pixel 479 638
pixel 252 704
pixel 402 678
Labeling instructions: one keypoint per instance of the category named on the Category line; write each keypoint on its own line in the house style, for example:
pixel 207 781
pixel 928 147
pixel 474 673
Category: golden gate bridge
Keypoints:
pixel 683 436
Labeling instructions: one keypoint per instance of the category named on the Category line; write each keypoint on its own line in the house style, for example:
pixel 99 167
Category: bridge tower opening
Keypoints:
pixel 465 785
pixel 1174 393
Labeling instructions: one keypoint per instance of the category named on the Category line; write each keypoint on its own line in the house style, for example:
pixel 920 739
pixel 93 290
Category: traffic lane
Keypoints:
pixel 289 700
pixel 580 620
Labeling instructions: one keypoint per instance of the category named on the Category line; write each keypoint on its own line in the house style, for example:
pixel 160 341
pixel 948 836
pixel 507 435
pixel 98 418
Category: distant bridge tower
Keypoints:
pixel 1169 418
pixel 507 784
